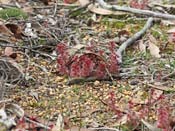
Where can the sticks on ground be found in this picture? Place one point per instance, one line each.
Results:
(136, 11)
(135, 37)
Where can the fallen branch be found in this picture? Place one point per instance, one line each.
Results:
(104, 128)
(32, 49)
(136, 11)
(92, 79)
(78, 8)
(135, 37)
(37, 123)
(10, 70)
(168, 75)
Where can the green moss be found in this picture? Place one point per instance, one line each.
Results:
(12, 12)
(112, 23)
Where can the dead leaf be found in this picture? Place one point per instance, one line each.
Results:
(153, 48)
(5, 1)
(84, 2)
(172, 30)
(123, 33)
(150, 126)
(171, 35)
(156, 94)
(76, 48)
(98, 10)
(28, 9)
(142, 46)
(138, 98)
(15, 29)
(6, 120)
(10, 53)
(59, 124)
(167, 23)
(5, 31)
(6, 34)
(122, 120)
(13, 70)
(16, 109)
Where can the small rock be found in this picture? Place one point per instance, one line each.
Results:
(134, 82)
(122, 39)
(96, 83)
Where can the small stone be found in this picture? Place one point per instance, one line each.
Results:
(122, 39)
(59, 79)
(24, 104)
(96, 83)
(134, 82)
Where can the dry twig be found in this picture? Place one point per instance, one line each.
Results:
(135, 37)
(136, 11)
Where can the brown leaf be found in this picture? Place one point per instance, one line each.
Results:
(15, 29)
(5, 1)
(156, 94)
(8, 51)
(5, 31)
(153, 48)
(142, 46)
(13, 70)
(76, 48)
(172, 30)
(167, 22)
(123, 33)
(6, 34)
(28, 9)
(84, 2)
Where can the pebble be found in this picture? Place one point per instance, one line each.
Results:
(96, 83)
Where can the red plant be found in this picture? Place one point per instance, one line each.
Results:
(112, 62)
(23, 125)
(62, 58)
(112, 104)
(100, 69)
(91, 64)
(82, 66)
(164, 116)
(163, 120)
(139, 4)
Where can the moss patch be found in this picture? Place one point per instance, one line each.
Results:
(12, 12)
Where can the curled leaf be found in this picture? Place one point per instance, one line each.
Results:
(153, 48)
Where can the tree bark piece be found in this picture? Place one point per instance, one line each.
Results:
(135, 37)
(136, 11)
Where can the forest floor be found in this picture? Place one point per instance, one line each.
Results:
(130, 102)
